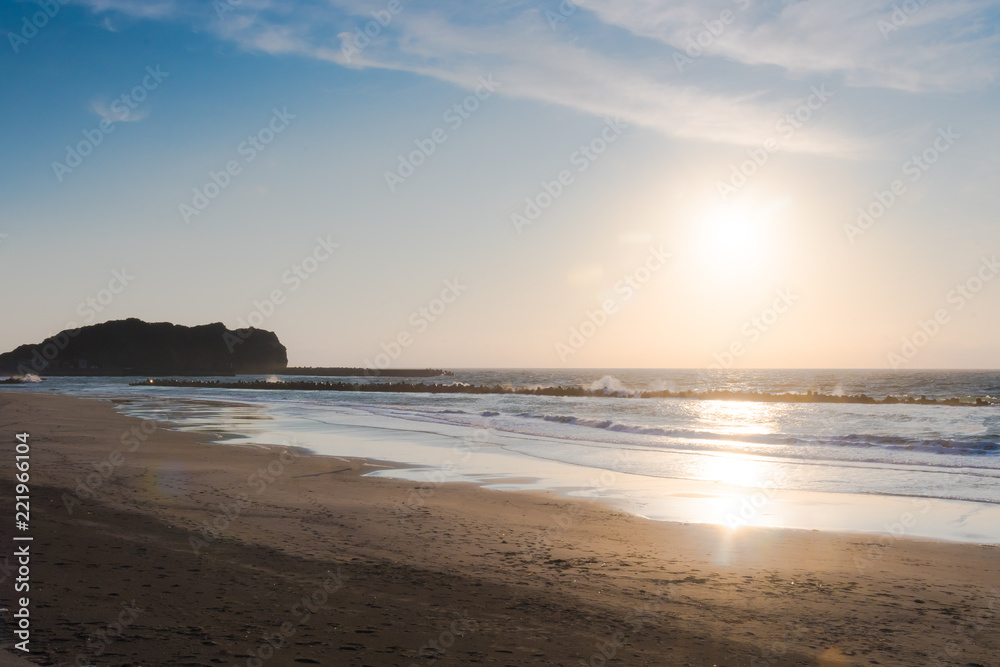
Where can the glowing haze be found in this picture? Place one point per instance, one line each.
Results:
(609, 183)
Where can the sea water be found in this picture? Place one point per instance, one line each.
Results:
(917, 470)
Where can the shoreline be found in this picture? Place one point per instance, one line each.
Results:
(900, 513)
(534, 574)
(417, 455)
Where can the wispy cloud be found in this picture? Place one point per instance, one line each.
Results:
(949, 46)
(116, 112)
(153, 9)
(531, 64)
(584, 66)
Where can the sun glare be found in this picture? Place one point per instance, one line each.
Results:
(735, 470)
(736, 239)
(732, 234)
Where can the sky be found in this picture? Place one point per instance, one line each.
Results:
(598, 184)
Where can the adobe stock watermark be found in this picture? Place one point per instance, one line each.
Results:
(461, 453)
(564, 10)
(896, 530)
(958, 297)
(248, 149)
(572, 513)
(634, 621)
(420, 320)
(92, 305)
(354, 42)
(786, 127)
(104, 637)
(223, 7)
(626, 289)
(900, 16)
(259, 481)
(915, 168)
(31, 25)
(455, 116)
(754, 328)
(581, 158)
(434, 649)
(44, 355)
(974, 625)
(90, 485)
(309, 604)
(121, 108)
(753, 505)
(713, 29)
(773, 653)
(295, 276)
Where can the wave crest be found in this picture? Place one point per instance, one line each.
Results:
(610, 386)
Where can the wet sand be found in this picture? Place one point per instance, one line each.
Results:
(178, 552)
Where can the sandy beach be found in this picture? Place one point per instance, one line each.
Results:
(152, 547)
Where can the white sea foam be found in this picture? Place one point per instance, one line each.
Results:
(610, 385)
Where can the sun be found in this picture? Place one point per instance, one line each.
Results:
(736, 239)
(731, 234)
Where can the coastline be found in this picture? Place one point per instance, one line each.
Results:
(500, 577)
(747, 490)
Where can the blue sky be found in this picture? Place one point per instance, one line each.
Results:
(743, 138)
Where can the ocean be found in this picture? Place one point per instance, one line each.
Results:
(915, 470)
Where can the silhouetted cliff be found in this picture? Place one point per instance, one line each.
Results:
(134, 347)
